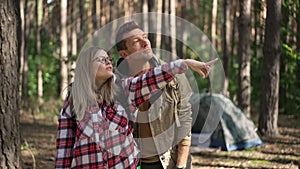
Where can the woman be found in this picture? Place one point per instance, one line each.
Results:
(94, 129)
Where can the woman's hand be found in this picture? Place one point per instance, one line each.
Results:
(200, 67)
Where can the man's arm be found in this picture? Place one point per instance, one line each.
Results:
(183, 153)
(185, 119)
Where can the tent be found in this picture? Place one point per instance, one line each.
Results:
(219, 123)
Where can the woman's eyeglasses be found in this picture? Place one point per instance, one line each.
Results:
(105, 60)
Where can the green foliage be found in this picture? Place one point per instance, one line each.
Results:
(288, 79)
(50, 67)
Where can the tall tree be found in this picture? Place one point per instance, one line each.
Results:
(226, 43)
(285, 37)
(234, 26)
(152, 25)
(38, 22)
(181, 12)
(214, 22)
(145, 16)
(173, 28)
(22, 46)
(24, 72)
(257, 7)
(10, 29)
(166, 40)
(244, 85)
(159, 26)
(298, 45)
(63, 48)
(271, 62)
(74, 32)
(89, 19)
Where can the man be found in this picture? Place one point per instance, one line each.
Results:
(164, 122)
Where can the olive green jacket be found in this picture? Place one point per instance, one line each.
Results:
(170, 118)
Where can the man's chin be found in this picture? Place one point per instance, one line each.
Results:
(148, 55)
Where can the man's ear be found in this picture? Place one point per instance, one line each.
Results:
(123, 53)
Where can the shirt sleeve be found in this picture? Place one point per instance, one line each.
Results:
(140, 87)
(184, 109)
(65, 138)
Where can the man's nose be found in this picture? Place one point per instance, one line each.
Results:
(144, 43)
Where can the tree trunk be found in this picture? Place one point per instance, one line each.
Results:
(270, 88)
(181, 10)
(38, 17)
(285, 36)
(10, 35)
(159, 27)
(74, 28)
(89, 19)
(22, 46)
(63, 49)
(166, 40)
(214, 22)
(145, 16)
(152, 25)
(27, 19)
(233, 32)
(126, 8)
(82, 16)
(244, 83)
(95, 11)
(257, 26)
(226, 43)
(298, 46)
(173, 28)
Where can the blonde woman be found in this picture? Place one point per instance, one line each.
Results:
(94, 129)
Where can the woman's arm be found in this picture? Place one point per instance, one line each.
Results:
(65, 138)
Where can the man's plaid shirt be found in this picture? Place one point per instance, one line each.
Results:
(103, 138)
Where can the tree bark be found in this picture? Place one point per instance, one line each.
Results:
(271, 63)
(285, 36)
(214, 22)
(152, 25)
(226, 44)
(38, 22)
(82, 16)
(166, 40)
(173, 28)
(181, 10)
(10, 35)
(233, 32)
(257, 26)
(298, 46)
(244, 81)
(22, 46)
(63, 49)
(27, 19)
(159, 27)
(74, 29)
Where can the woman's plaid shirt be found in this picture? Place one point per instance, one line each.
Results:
(103, 138)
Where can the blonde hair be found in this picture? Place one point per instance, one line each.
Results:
(83, 91)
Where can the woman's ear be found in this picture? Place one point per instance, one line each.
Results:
(123, 53)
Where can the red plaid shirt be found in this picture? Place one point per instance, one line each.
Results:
(103, 138)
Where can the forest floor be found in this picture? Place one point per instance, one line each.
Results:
(283, 151)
